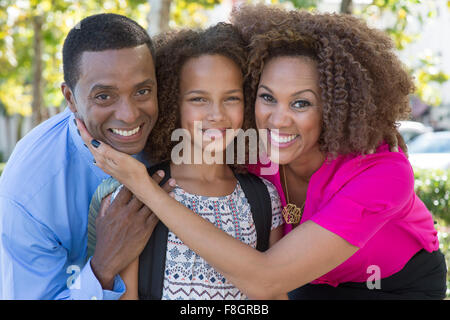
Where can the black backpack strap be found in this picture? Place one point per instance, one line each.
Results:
(259, 199)
(152, 260)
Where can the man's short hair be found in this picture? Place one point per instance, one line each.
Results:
(106, 31)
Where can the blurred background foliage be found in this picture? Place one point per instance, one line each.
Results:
(31, 36)
(424, 68)
(433, 188)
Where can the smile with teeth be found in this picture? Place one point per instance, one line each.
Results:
(126, 133)
(282, 138)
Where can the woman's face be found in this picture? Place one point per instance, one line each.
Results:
(288, 99)
(211, 95)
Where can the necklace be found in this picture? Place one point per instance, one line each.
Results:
(291, 213)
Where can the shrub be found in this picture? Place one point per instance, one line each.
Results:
(433, 188)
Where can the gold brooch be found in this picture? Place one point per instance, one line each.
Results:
(292, 214)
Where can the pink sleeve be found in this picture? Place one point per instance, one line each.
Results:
(368, 200)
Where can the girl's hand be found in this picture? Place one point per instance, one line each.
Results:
(121, 166)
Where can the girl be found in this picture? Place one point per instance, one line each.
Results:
(201, 85)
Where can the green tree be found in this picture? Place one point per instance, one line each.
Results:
(191, 13)
(423, 66)
(31, 39)
(166, 14)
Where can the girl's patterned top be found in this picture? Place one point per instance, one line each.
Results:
(189, 277)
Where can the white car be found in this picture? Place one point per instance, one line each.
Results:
(430, 150)
(411, 129)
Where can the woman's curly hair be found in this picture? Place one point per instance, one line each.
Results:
(364, 86)
(173, 50)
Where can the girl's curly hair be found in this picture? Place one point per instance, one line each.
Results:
(173, 50)
(364, 86)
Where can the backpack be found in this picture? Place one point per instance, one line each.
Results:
(152, 260)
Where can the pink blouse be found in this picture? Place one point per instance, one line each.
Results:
(370, 202)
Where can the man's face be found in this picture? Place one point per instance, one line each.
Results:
(116, 96)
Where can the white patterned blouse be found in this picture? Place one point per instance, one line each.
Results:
(189, 277)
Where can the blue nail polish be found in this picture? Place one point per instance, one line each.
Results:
(95, 143)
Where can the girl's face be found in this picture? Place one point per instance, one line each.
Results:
(211, 100)
(288, 99)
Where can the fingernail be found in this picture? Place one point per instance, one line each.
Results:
(95, 143)
(160, 173)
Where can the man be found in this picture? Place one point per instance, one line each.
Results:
(47, 185)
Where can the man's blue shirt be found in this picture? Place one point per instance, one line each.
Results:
(45, 192)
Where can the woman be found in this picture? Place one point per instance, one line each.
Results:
(328, 90)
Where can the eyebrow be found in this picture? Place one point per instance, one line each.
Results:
(204, 92)
(264, 87)
(145, 82)
(294, 94)
(100, 86)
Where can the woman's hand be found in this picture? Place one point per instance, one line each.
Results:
(121, 166)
